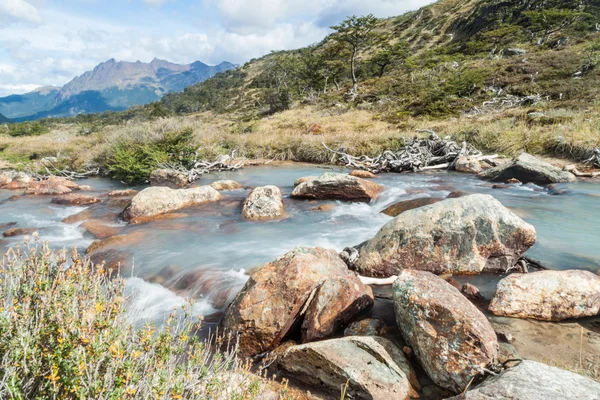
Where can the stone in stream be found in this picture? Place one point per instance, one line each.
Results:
(469, 165)
(303, 179)
(451, 338)
(48, 187)
(373, 367)
(466, 235)
(154, 201)
(528, 169)
(226, 185)
(5, 178)
(363, 174)
(333, 186)
(18, 232)
(123, 193)
(263, 203)
(310, 289)
(101, 229)
(75, 199)
(531, 380)
(168, 178)
(398, 208)
(548, 295)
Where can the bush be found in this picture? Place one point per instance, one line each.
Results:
(64, 334)
(132, 162)
(27, 129)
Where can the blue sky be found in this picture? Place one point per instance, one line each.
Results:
(49, 42)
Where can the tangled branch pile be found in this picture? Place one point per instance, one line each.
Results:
(595, 159)
(502, 101)
(416, 155)
(196, 168)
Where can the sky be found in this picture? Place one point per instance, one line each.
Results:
(49, 42)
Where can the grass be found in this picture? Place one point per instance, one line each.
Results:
(64, 335)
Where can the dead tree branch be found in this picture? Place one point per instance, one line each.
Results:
(197, 167)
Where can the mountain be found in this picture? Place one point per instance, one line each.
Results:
(22, 105)
(112, 85)
(3, 119)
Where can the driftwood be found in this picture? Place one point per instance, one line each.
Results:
(197, 167)
(416, 155)
(595, 159)
(52, 170)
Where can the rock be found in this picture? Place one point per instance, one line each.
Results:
(528, 169)
(123, 193)
(324, 207)
(168, 178)
(101, 229)
(511, 52)
(458, 193)
(310, 289)
(154, 201)
(373, 367)
(467, 235)
(5, 178)
(471, 291)
(263, 203)
(513, 181)
(332, 186)
(398, 208)
(85, 187)
(304, 179)
(48, 187)
(15, 185)
(363, 174)
(59, 180)
(548, 295)
(531, 380)
(18, 232)
(226, 185)
(365, 327)
(130, 239)
(501, 186)
(468, 164)
(451, 338)
(75, 199)
(22, 177)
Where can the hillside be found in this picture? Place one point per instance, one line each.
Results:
(110, 86)
(3, 119)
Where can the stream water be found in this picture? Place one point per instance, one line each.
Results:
(206, 252)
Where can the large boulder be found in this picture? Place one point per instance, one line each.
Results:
(168, 178)
(307, 288)
(548, 295)
(398, 208)
(372, 366)
(5, 178)
(466, 235)
(528, 169)
(75, 199)
(264, 202)
(469, 165)
(154, 201)
(451, 338)
(333, 186)
(531, 380)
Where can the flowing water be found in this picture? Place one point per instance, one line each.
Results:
(206, 252)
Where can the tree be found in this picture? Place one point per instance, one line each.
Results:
(390, 54)
(357, 33)
(332, 64)
(548, 22)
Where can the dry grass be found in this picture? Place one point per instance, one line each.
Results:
(297, 135)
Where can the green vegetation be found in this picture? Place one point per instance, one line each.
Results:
(27, 129)
(132, 160)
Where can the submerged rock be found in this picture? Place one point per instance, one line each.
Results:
(466, 235)
(311, 287)
(363, 174)
(398, 208)
(531, 380)
(263, 203)
(154, 201)
(528, 169)
(451, 338)
(168, 178)
(18, 232)
(333, 186)
(101, 229)
(123, 193)
(75, 199)
(548, 295)
(226, 185)
(373, 367)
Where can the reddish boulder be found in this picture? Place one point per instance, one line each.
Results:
(363, 174)
(123, 193)
(332, 186)
(75, 199)
(48, 187)
(18, 232)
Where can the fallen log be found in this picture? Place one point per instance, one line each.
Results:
(196, 168)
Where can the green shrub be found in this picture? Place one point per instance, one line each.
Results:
(132, 162)
(64, 335)
(27, 129)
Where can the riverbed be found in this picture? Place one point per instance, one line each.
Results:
(206, 252)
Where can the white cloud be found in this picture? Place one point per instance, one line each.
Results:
(18, 10)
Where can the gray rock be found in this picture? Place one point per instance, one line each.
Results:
(154, 201)
(263, 203)
(373, 367)
(511, 52)
(168, 178)
(528, 169)
(451, 338)
(466, 235)
(531, 380)
(333, 186)
(548, 295)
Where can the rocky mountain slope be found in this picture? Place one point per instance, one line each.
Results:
(112, 85)
(3, 118)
